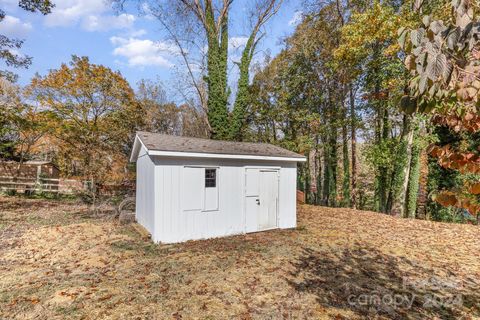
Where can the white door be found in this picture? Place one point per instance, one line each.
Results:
(267, 200)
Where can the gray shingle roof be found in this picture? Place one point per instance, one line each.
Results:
(163, 142)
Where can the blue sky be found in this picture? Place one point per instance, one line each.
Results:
(127, 41)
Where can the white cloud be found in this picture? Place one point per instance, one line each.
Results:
(138, 33)
(92, 15)
(70, 12)
(14, 27)
(237, 42)
(103, 23)
(144, 52)
(296, 19)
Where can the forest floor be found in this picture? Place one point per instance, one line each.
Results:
(57, 261)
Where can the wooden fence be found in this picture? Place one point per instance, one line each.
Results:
(59, 186)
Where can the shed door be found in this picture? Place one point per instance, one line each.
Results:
(261, 199)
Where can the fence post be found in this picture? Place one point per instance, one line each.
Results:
(38, 182)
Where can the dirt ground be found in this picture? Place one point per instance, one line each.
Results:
(57, 261)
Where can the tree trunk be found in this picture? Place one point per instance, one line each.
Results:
(318, 162)
(326, 173)
(382, 186)
(422, 198)
(217, 54)
(333, 169)
(346, 165)
(400, 195)
(413, 183)
(353, 194)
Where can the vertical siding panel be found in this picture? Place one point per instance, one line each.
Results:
(159, 200)
(166, 213)
(287, 201)
(175, 212)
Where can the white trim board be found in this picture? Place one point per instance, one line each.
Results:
(220, 156)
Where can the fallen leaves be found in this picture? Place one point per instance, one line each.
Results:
(306, 273)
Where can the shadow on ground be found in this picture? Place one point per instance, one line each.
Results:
(370, 283)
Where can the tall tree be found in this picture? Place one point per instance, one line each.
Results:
(188, 20)
(9, 46)
(353, 137)
(368, 48)
(264, 10)
(11, 110)
(92, 115)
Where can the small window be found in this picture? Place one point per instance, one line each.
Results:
(210, 178)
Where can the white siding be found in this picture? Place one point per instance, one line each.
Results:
(173, 193)
(145, 195)
(287, 211)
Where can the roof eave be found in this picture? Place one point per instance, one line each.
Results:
(222, 156)
(137, 144)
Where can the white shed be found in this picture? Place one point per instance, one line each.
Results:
(191, 188)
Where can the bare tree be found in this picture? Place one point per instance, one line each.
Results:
(200, 31)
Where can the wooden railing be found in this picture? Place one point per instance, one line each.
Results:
(61, 186)
(30, 184)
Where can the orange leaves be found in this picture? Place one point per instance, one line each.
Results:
(469, 122)
(451, 199)
(475, 188)
(446, 199)
(465, 162)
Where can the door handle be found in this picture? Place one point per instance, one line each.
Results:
(258, 201)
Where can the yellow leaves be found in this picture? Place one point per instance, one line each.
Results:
(91, 110)
(377, 24)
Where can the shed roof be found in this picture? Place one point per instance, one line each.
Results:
(168, 145)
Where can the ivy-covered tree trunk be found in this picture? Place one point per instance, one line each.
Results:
(400, 181)
(307, 183)
(413, 182)
(318, 161)
(241, 101)
(332, 173)
(217, 74)
(346, 165)
(383, 189)
(353, 147)
(326, 173)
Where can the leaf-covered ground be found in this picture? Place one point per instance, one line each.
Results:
(57, 261)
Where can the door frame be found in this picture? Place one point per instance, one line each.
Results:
(260, 169)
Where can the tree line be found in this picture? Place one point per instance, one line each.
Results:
(381, 97)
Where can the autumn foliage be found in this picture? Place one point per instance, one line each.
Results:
(443, 58)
